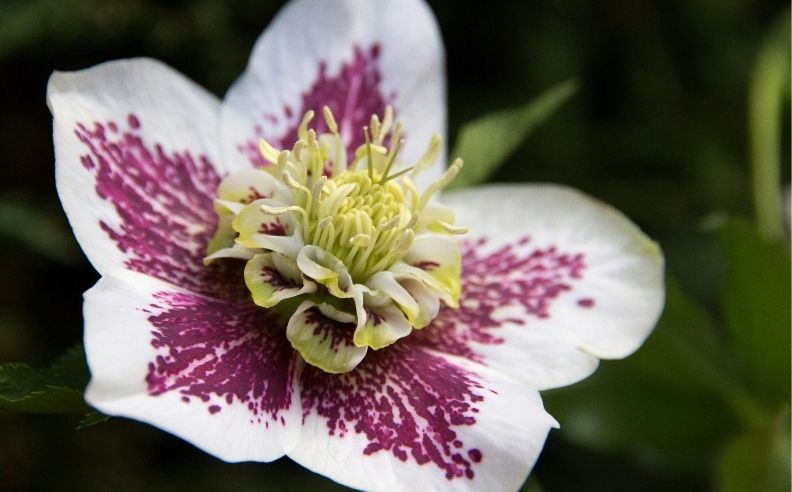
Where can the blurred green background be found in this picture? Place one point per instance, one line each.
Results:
(681, 121)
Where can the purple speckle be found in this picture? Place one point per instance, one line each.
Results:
(353, 94)
(475, 455)
(406, 401)
(164, 202)
(586, 302)
(531, 279)
(213, 409)
(210, 347)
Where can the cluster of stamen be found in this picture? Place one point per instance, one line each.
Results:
(334, 244)
(362, 213)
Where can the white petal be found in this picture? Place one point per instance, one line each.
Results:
(285, 77)
(215, 373)
(410, 419)
(137, 166)
(559, 281)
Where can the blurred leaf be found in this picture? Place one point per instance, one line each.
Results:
(93, 417)
(756, 304)
(487, 142)
(665, 403)
(37, 231)
(767, 101)
(758, 460)
(56, 389)
(532, 485)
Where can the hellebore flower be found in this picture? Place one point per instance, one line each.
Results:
(277, 280)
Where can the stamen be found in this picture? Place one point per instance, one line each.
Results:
(452, 229)
(339, 157)
(430, 156)
(396, 175)
(441, 183)
(268, 152)
(387, 121)
(267, 209)
(330, 120)
(302, 130)
(360, 240)
(317, 188)
(394, 152)
(389, 225)
(413, 221)
(370, 160)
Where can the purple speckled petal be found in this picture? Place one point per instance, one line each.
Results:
(552, 280)
(362, 56)
(217, 373)
(137, 170)
(408, 418)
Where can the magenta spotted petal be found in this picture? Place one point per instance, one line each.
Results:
(551, 280)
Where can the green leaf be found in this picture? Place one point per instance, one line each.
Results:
(665, 403)
(93, 417)
(56, 389)
(532, 485)
(768, 98)
(36, 231)
(756, 307)
(758, 459)
(487, 142)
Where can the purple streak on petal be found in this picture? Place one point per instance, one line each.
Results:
(163, 198)
(510, 276)
(404, 401)
(273, 278)
(339, 333)
(353, 94)
(220, 352)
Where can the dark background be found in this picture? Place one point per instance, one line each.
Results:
(658, 129)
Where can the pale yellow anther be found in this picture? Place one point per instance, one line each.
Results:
(387, 121)
(441, 183)
(283, 160)
(430, 156)
(369, 156)
(270, 210)
(389, 224)
(268, 152)
(330, 120)
(360, 240)
(316, 190)
(302, 130)
(413, 220)
(289, 180)
(375, 126)
(452, 229)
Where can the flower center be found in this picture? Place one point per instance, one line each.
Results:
(368, 229)
(351, 243)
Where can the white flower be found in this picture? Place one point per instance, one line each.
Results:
(186, 330)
